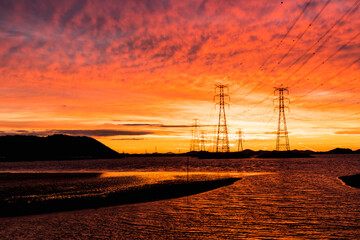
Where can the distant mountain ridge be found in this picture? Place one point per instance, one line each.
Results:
(54, 147)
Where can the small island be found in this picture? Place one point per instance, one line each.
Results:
(352, 181)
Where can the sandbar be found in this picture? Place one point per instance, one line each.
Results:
(38, 193)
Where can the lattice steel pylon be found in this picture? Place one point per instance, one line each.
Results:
(202, 141)
(240, 140)
(282, 139)
(222, 139)
(194, 145)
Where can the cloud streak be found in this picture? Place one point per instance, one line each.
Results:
(156, 125)
(355, 131)
(91, 133)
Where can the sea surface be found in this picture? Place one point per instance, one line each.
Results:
(275, 199)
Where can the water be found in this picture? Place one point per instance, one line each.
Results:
(276, 199)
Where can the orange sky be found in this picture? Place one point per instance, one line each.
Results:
(134, 74)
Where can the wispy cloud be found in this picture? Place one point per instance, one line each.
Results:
(127, 139)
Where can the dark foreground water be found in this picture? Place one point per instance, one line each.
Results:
(276, 199)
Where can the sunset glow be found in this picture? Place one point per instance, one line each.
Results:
(134, 74)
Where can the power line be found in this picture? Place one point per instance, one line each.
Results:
(277, 46)
(349, 12)
(347, 117)
(303, 33)
(344, 90)
(353, 9)
(256, 104)
(327, 59)
(339, 101)
(327, 80)
(299, 38)
(352, 80)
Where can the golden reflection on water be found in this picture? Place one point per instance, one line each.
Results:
(174, 174)
(153, 177)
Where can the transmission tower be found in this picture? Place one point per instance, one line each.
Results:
(194, 146)
(213, 139)
(202, 141)
(282, 139)
(222, 140)
(240, 140)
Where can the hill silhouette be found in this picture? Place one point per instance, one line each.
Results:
(341, 151)
(54, 147)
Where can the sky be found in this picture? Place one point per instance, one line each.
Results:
(135, 74)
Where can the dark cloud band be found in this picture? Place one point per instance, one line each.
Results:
(91, 133)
